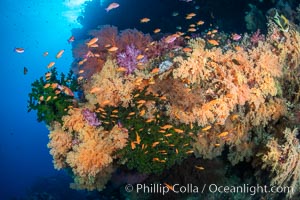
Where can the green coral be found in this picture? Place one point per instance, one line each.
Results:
(58, 103)
(172, 148)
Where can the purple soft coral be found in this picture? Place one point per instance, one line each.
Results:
(128, 59)
(90, 117)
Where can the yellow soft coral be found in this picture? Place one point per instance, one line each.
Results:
(109, 86)
(88, 150)
(284, 161)
(60, 143)
(231, 78)
(74, 121)
(90, 157)
(95, 150)
(97, 182)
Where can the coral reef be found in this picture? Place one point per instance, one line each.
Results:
(87, 149)
(149, 105)
(92, 59)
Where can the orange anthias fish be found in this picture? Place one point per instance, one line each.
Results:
(80, 78)
(47, 85)
(65, 90)
(133, 145)
(155, 144)
(122, 69)
(154, 71)
(48, 74)
(167, 126)
(59, 54)
(190, 16)
(112, 49)
(223, 134)
(199, 167)
(214, 31)
(54, 86)
(138, 138)
(192, 30)
(82, 61)
(188, 152)
(51, 64)
(200, 22)
(141, 101)
(140, 56)
(92, 41)
(206, 128)
(156, 30)
(48, 98)
(171, 38)
(169, 186)
(187, 50)
(213, 42)
(142, 113)
(145, 20)
(178, 130)
(112, 6)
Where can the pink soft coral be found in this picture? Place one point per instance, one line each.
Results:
(128, 59)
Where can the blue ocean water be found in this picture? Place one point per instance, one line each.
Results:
(37, 26)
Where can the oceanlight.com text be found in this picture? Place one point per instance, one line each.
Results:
(249, 189)
(210, 188)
